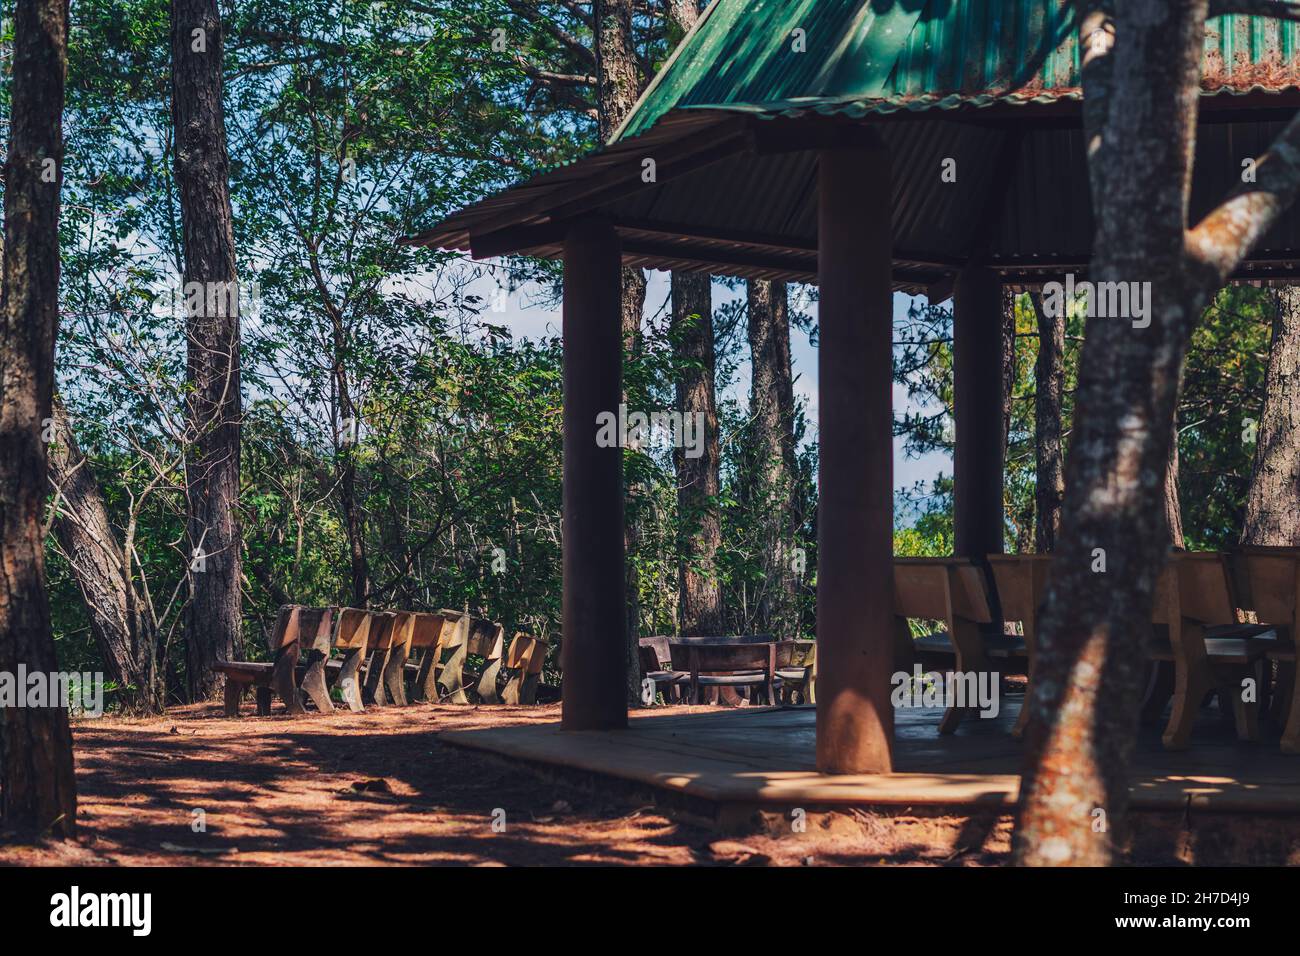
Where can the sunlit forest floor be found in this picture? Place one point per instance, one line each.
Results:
(194, 788)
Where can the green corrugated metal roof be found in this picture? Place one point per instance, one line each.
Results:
(883, 55)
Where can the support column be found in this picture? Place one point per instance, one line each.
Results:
(977, 408)
(855, 515)
(594, 650)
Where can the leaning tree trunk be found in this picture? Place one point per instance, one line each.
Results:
(1140, 115)
(772, 485)
(699, 521)
(119, 621)
(1173, 509)
(1273, 499)
(1141, 80)
(618, 84)
(213, 618)
(1049, 460)
(37, 788)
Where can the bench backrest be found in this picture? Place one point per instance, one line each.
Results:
(723, 658)
(796, 653)
(1194, 585)
(527, 653)
(353, 628)
(1021, 582)
(656, 648)
(428, 629)
(937, 588)
(1266, 580)
(309, 627)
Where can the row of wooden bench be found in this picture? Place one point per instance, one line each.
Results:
(386, 643)
(1201, 600)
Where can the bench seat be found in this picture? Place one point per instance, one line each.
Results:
(995, 645)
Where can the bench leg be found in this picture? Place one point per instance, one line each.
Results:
(349, 683)
(313, 682)
(395, 676)
(968, 645)
(1245, 714)
(234, 694)
(374, 690)
(453, 676)
(426, 685)
(282, 679)
(263, 695)
(1283, 691)
(1191, 683)
(487, 685)
(1160, 687)
(1291, 730)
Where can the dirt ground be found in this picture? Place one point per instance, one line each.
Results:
(194, 788)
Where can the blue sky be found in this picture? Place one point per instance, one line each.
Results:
(525, 317)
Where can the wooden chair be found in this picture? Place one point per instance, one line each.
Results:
(1210, 651)
(951, 590)
(1267, 581)
(429, 633)
(1021, 582)
(740, 662)
(657, 666)
(525, 658)
(796, 669)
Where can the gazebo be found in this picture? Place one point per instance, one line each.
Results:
(868, 146)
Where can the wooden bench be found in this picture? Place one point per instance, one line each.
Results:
(1267, 581)
(1021, 583)
(525, 658)
(297, 630)
(352, 639)
(726, 662)
(1197, 630)
(951, 590)
(796, 670)
(657, 666)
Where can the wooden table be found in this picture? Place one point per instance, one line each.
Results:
(727, 663)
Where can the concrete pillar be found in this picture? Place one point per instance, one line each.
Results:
(594, 650)
(855, 658)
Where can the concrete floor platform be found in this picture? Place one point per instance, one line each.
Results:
(764, 758)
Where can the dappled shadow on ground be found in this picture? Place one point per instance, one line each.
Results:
(195, 788)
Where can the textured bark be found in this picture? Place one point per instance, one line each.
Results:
(1173, 509)
(37, 789)
(618, 84)
(700, 594)
(1049, 456)
(1008, 363)
(119, 619)
(213, 618)
(771, 486)
(700, 524)
(1273, 499)
(1139, 114)
(618, 78)
(346, 459)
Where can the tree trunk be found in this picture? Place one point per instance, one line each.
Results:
(1139, 111)
(119, 620)
(700, 524)
(1049, 456)
(772, 491)
(1273, 499)
(1173, 510)
(37, 787)
(618, 84)
(346, 440)
(213, 619)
